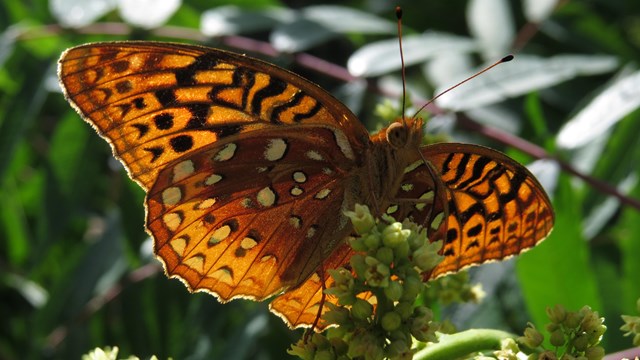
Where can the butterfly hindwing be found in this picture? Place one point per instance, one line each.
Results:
(496, 207)
(251, 217)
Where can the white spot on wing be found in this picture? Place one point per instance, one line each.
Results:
(322, 194)
(296, 191)
(299, 177)
(275, 149)
(223, 275)
(196, 263)
(179, 245)
(182, 170)
(266, 197)
(171, 196)
(343, 144)
(311, 231)
(205, 204)
(212, 179)
(248, 243)
(172, 220)
(226, 153)
(220, 234)
(314, 155)
(295, 222)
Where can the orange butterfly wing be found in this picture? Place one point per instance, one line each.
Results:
(155, 102)
(491, 208)
(246, 165)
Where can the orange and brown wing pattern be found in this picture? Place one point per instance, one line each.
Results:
(251, 217)
(155, 102)
(299, 307)
(496, 207)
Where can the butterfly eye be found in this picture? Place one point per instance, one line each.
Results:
(397, 135)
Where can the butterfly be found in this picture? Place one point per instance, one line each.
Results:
(248, 169)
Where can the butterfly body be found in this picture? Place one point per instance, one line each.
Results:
(248, 170)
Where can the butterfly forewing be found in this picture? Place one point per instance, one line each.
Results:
(155, 102)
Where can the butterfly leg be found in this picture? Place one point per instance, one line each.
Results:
(311, 330)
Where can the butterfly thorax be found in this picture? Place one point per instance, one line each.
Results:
(393, 149)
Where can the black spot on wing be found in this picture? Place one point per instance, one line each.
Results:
(181, 143)
(155, 152)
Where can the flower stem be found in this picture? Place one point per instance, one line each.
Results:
(463, 343)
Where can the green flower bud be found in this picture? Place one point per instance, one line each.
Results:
(417, 239)
(593, 326)
(342, 277)
(393, 291)
(365, 345)
(557, 338)
(302, 350)
(361, 309)
(338, 316)
(324, 355)
(397, 349)
(358, 265)
(391, 321)
(320, 341)
(372, 241)
(551, 327)
(361, 219)
(573, 319)
(426, 257)
(385, 255)
(510, 345)
(532, 338)
(411, 288)
(557, 314)
(594, 353)
(400, 334)
(358, 243)
(377, 273)
(580, 342)
(401, 251)
(420, 326)
(394, 235)
(404, 309)
(547, 355)
(340, 347)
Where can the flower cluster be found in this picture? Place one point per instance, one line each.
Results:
(574, 334)
(632, 326)
(454, 288)
(109, 353)
(376, 315)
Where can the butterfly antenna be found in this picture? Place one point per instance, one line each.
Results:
(404, 76)
(503, 60)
